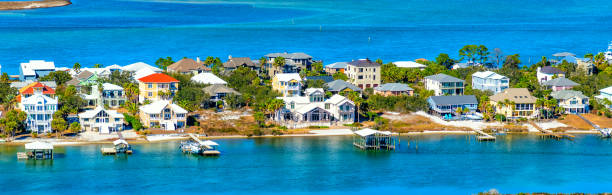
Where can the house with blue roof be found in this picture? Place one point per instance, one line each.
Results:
(447, 106)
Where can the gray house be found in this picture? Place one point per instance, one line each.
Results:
(443, 84)
(338, 86)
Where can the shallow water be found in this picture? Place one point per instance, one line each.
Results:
(124, 32)
(329, 165)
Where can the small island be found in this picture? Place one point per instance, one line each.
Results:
(19, 5)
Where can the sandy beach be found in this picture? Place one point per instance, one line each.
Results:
(19, 5)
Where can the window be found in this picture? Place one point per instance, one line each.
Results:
(360, 69)
(373, 69)
(292, 105)
(360, 77)
(150, 85)
(150, 94)
(327, 106)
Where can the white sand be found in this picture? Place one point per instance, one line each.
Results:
(332, 132)
(469, 124)
(154, 138)
(551, 125)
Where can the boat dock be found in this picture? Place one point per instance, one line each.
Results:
(197, 146)
(370, 139)
(550, 134)
(604, 132)
(482, 136)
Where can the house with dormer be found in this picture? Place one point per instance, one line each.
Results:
(313, 109)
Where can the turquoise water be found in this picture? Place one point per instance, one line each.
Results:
(123, 32)
(327, 165)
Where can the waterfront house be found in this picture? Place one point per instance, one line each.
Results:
(447, 106)
(314, 110)
(34, 69)
(208, 78)
(443, 84)
(547, 73)
(572, 101)
(514, 103)
(335, 67)
(101, 120)
(363, 73)
(583, 65)
(409, 64)
(163, 114)
(289, 84)
(559, 84)
(151, 86)
(110, 95)
(294, 62)
(491, 81)
(393, 89)
(22, 84)
(30, 89)
(218, 92)
(341, 87)
(188, 66)
(605, 95)
(39, 109)
(235, 62)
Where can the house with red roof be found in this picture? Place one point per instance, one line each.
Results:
(158, 86)
(28, 90)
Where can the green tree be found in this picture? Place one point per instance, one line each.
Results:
(60, 77)
(259, 118)
(163, 63)
(444, 60)
(13, 122)
(97, 65)
(469, 52)
(76, 67)
(74, 127)
(279, 62)
(58, 124)
(340, 76)
(483, 54)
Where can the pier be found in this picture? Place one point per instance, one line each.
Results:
(37, 151)
(544, 133)
(370, 139)
(482, 136)
(604, 132)
(120, 146)
(197, 146)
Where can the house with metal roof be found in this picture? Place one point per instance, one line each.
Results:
(341, 86)
(447, 106)
(514, 103)
(101, 120)
(491, 81)
(294, 62)
(572, 101)
(559, 84)
(110, 95)
(140, 66)
(150, 86)
(39, 109)
(363, 73)
(547, 73)
(188, 66)
(335, 67)
(324, 79)
(34, 69)
(409, 64)
(163, 114)
(605, 95)
(208, 79)
(313, 109)
(289, 84)
(393, 89)
(443, 84)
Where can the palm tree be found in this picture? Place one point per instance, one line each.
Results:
(77, 68)
(589, 55)
(459, 111)
(539, 103)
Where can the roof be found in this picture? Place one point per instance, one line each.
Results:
(364, 63)
(454, 100)
(288, 77)
(393, 87)
(84, 75)
(143, 73)
(158, 78)
(234, 62)
(607, 90)
(325, 79)
(22, 84)
(313, 90)
(563, 54)
(338, 99)
(208, 78)
(567, 94)
(367, 132)
(109, 86)
(408, 64)
(517, 95)
(215, 89)
(139, 66)
(308, 108)
(337, 65)
(573, 59)
(34, 99)
(94, 112)
(561, 81)
(157, 106)
(74, 81)
(295, 99)
(187, 65)
(339, 85)
(489, 74)
(120, 141)
(443, 78)
(210, 143)
(298, 55)
(114, 67)
(37, 145)
(551, 70)
(28, 68)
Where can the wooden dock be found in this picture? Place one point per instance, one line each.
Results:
(550, 134)
(482, 136)
(208, 149)
(108, 151)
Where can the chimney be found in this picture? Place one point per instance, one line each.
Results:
(198, 59)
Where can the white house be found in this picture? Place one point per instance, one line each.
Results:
(605, 94)
(443, 84)
(101, 120)
(572, 101)
(34, 69)
(139, 66)
(111, 95)
(547, 73)
(314, 109)
(208, 78)
(491, 81)
(163, 114)
(40, 109)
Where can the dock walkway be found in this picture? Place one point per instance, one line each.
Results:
(482, 136)
(551, 134)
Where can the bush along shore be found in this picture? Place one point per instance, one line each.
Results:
(19, 5)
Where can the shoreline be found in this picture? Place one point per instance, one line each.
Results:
(23, 5)
(176, 138)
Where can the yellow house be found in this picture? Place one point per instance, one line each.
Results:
(289, 84)
(150, 86)
(514, 103)
(163, 114)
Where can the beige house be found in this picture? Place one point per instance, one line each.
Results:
(163, 114)
(514, 103)
(188, 66)
(363, 73)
